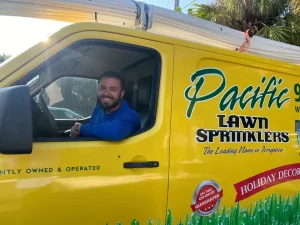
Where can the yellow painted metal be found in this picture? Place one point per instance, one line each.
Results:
(95, 196)
(113, 194)
(190, 166)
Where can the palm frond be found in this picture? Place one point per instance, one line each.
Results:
(207, 12)
(277, 20)
(276, 33)
(295, 6)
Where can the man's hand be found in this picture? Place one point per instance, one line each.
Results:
(75, 131)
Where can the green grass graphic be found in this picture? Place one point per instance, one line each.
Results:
(274, 210)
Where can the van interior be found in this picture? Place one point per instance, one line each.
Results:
(76, 70)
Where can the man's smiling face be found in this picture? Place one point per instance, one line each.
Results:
(110, 93)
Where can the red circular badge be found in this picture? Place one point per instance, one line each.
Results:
(207, 198)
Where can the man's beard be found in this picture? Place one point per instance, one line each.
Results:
(107, 107)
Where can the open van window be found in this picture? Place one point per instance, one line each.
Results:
(68, 91)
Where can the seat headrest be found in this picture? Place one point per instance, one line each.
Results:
(144, 92)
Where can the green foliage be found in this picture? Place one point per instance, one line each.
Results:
(276, 33)
(209, 12)
(3, 57)
(277, 20)
(178, 9)
(295, 6)
(274, 210)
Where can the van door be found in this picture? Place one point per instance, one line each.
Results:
(234, 152)
(88, 181)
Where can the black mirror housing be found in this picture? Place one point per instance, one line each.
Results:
(15, 120)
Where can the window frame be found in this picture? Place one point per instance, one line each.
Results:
(156, 82)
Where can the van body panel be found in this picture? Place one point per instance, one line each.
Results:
(85, 181)
(245, 171)
(225, 138)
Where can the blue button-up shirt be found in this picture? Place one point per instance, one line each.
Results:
(114, 126)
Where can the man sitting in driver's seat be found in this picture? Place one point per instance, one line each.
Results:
(113, 119)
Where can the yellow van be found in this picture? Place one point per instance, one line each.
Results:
(218, 144)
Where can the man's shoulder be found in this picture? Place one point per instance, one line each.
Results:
(129, 114)
(97, 110)
(127, 109)
(125, 106)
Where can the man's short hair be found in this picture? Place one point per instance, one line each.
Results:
(111, 74)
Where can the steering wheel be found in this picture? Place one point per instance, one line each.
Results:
(51, 127)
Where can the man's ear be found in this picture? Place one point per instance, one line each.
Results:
(122, 93)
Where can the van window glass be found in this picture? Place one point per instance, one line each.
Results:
(69, 85)
(71, 97)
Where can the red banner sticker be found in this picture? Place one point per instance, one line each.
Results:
(262, 181)
(207, 198)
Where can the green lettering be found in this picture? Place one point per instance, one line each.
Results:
(255, 98)
(232, 93)
(274, 98)
(201, 74)
(280, 103)
(231, 97)
(266, 92)
(235, 98)
(243, 95)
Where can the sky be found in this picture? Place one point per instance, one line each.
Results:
(18, 33)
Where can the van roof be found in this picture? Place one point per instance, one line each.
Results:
(18, 61)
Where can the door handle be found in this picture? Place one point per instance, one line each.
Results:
(149, 164)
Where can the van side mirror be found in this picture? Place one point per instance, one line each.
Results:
(15, 120)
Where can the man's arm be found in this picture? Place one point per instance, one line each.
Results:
(112, 131)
